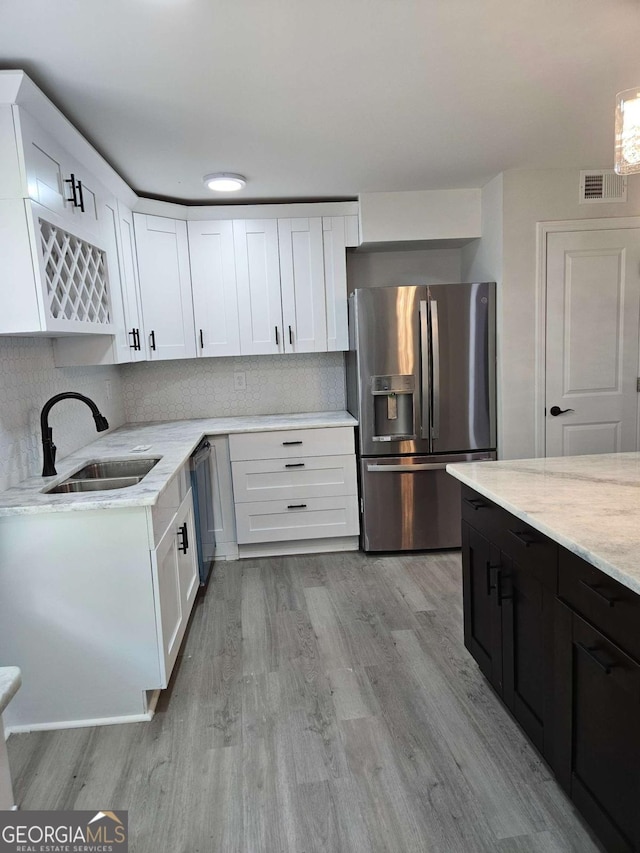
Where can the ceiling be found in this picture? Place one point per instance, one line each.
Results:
(315, 99)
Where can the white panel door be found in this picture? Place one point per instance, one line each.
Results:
(593, 299)
(187, 559)
(335, 276)
(304, 312)
(131, 285)
(167, 591)
(47, 168)
(258, 272)
(213, 278)
(165, 286)
(124, 340)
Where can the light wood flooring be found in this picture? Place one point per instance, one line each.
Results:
(321, 703)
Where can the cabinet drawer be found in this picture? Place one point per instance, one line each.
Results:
(285, 444)
(481, 513)
(611, 607)
(303, 518)
(282, 479)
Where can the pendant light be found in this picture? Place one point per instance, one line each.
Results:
(628, 132)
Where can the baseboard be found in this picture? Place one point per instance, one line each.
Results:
(79, 724)
(302, 546)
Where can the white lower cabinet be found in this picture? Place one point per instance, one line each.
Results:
(96, 622)
(295, 491)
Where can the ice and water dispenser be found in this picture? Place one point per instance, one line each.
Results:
(393, 407)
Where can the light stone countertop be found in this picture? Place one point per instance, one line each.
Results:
(173, 441)
(10, 681)
(588, 504)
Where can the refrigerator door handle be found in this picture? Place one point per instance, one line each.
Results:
(435, 360)
(425, 370)
(409, 469)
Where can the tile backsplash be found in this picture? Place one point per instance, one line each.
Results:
(28, 378)
(200, 388)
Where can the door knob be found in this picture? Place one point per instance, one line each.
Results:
(556, 410)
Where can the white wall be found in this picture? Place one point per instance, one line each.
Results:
(528, 197)
(28, 378)
(199, 388)
(382, 268)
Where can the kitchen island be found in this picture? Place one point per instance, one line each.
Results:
(551, 583)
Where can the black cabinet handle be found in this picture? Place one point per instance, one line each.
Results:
(476, 503)
(183, 545)
(277, 339)
(294, 465)
(589, 650)
(201, 340)
(297, 506)
(134, 345)
(290, 336)
(81, 197)
(554, 411)
(137, 335)
(74, 197)
(152, 340)
(491, 568)
(290, 443)
(608, 600)
(499, 593)
(524, 537)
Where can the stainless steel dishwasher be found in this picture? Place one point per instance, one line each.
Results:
(202, 491)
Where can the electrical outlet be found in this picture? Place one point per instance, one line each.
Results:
(240, 381)
(107, 388)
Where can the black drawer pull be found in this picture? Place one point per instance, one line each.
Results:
(589, 650)
(290, 443)
(183, 546)
(601, 595)
(491, 568)
(524, 537)
(294, 465)
(297, 506)
(152, 339)
(476, 503)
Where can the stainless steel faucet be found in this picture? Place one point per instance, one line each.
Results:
(48, 447)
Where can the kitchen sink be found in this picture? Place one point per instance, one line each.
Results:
(115, 468)
(101, 476)
(94, 485)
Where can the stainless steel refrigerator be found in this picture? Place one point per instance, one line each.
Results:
(421, 382)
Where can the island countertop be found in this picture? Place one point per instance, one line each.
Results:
(588, 504)
(170, 441)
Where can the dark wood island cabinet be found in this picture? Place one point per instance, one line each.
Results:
(559, 641)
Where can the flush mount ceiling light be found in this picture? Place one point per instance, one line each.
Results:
(224, 182)
(628, 132)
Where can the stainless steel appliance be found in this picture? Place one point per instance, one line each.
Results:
(421, 382)
(202, 494)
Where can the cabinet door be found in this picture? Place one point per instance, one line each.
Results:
(167, 590)
(258, 271)
(175, 567)
(304, 312)
(165, 286)
(46, 166)
(124, 339)
(598, 688)
(130, 283)
(527, 638)
(482, 615)
(187, 557)
(215, 298)
(334, 232)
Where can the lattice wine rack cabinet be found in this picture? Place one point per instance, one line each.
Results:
(75, 277)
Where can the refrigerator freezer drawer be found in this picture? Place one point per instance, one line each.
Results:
(300, 518)
(411, 503)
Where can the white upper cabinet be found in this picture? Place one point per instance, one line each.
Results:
(130, 289)
(258, 280)
(213, 279)
(304, 312)
(165, 287)
(338, 233)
